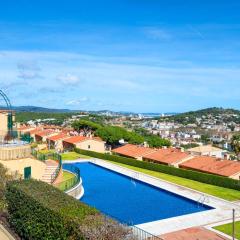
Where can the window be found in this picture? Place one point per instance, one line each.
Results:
(89, 146)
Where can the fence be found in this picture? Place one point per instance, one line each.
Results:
(140, 234)
(136, 232)
(71, 182)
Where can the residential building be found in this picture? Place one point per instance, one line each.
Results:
(207, 150)
(133, 151)
(212, 165)
(42, 136)
(56, 141)
(6, 120)
(85, 143)
(168, 156)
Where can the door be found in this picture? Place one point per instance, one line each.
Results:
(27, 172)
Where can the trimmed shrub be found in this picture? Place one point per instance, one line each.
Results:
(39, 211)
(189, 174)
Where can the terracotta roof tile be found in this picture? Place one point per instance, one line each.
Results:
(44, 133)
(77, 139)
(134, 151)
(36, 130)
(212, 165)
(167, 156)
(60, 136)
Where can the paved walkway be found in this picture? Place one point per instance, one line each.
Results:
(4, 234)
(197, 233)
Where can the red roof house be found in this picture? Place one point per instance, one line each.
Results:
(133, 151)
(168, 156)
(213, 165)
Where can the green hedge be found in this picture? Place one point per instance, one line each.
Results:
(193, 175)
(39, 211)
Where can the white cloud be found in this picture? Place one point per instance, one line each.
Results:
(28, 70)
(133, 83)
(76, 102)
(68, 79)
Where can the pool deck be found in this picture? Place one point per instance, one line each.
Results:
(4, 234)
(222, 209)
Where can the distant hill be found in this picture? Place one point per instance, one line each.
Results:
(36, 109)
(39, 109)
(190, 117)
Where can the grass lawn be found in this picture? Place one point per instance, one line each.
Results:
(73, 156)
(227, 229)
(46, 151)
(66, 181)
(224, 193)
(67, 175)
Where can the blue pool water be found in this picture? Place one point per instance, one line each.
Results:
(129, 200)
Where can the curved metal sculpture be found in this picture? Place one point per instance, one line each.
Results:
(6, 99)
(9, 108)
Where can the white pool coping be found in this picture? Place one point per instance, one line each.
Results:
(222, 209)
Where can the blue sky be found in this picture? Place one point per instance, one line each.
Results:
(132, 55)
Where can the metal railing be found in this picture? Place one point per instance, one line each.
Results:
(136, 232)
(71, 182)
(56, 172)
(140, 234)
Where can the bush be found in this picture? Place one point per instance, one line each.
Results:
(39, 211)
(193, 175)
(4, 178)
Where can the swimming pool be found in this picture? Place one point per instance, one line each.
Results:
(129, 200)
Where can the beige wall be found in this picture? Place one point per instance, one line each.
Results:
(59, 144)
(217, 154)
(92, 145)
(3, 122)
(38, 167)
(236, 176)
(11, 153)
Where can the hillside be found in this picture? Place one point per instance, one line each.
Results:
(226, 115)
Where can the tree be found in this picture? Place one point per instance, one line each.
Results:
(189, 145)
(86, 126)
(153, 140)
(235, 143)
(112, 135)
(205, 138)
(142, 131)
(156, 141)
